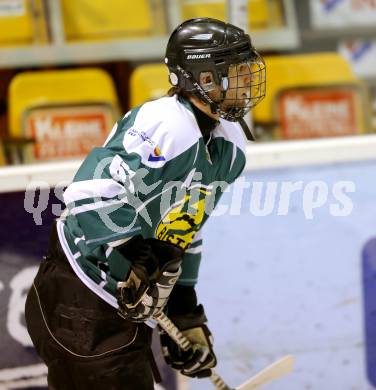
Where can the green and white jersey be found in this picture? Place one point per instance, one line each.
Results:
(154, 176)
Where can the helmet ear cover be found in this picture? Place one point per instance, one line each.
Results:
(174, 79)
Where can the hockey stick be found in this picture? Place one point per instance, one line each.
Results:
(268, 374)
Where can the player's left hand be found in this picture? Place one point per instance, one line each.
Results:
(198, 361)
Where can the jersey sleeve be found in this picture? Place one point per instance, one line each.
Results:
(191, 262)
(99, 197)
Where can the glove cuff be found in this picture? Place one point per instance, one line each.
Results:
(190, 320)
(183, 299)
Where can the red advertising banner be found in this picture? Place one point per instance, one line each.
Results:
(317, 113)
(67, 132)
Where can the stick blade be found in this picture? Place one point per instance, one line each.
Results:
(274, 371)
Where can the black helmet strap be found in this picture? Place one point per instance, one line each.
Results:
(247, 131)
(213, 105)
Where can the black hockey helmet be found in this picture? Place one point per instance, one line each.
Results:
(202, 45)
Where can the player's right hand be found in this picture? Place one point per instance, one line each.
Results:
(133, 290)
(155, 268)
(200, 359)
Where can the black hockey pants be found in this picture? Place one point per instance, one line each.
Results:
(84, 342)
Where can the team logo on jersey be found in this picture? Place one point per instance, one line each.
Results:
(183, 219)
(156, 155)
(133, 132)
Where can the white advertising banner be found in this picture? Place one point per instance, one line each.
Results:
(342, 13)
(12, 8)
(362, 56)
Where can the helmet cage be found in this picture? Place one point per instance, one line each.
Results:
(244, 90)
(185, 73)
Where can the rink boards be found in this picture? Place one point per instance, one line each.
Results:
(271, 284)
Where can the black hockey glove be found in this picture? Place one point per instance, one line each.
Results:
(155, 268)
(198, 361)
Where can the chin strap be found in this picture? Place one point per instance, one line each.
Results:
(246, 129)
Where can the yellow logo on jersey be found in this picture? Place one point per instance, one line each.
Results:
(182, 221)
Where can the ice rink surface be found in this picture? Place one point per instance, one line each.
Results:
(279, 284)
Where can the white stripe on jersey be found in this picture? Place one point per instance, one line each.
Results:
(86, 189)
(197, 149)
(108, 251)
(194, 251)
(112, 133)
(78, 239)
(113, 244)
(96, 205)
(233, 156)
(114, 235)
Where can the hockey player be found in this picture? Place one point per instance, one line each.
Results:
(129, 243)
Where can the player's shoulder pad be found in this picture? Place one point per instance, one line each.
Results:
(231, 132)
(162, 130)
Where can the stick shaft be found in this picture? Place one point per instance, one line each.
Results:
(269, 374)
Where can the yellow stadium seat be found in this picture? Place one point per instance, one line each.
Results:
(16, 26)
(100, 19)
(307, 75)
(148, 82)
(258, 16)
(303, 70)
(22, 23)
(67, 112)
(258, 13)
